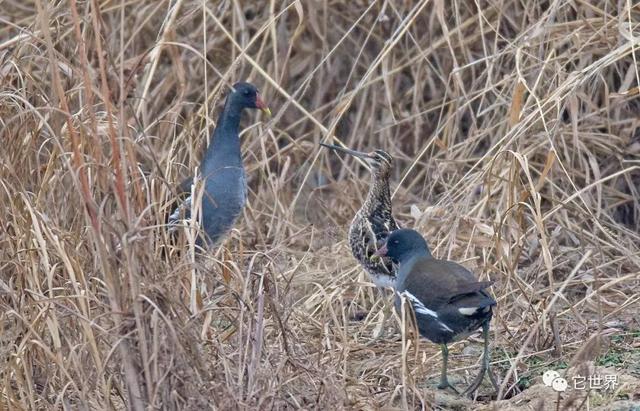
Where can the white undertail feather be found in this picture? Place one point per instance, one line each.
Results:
(467, 310)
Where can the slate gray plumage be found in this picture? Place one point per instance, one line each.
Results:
(222, 170)
(448, 301)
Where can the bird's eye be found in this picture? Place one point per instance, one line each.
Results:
(395, 241)
(247, 92)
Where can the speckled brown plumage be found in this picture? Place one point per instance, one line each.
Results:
(373, 223)
(374, 220)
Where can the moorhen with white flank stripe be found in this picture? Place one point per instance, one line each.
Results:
(373, 222)
(448, 301)
(221, 169)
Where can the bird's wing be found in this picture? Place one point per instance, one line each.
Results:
(470, 288)
(381, 226)
(440, 282)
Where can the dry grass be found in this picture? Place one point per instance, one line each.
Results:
(515, 125)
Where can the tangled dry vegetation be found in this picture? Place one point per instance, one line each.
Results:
(515, 129)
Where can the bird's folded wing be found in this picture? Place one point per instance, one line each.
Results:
(464, 289)
(467, 288)
(440, 282)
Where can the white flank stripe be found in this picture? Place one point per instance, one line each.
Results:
(418, 306)
(444, 326)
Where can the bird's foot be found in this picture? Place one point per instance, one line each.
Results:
(473, 387)
(444, 384)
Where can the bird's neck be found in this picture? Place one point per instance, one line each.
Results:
(410, 258)
(229, 120)
(379, 194)
(225, 137)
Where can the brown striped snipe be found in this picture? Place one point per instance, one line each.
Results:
(373, 222)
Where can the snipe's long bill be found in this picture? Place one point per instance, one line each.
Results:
(345, 150)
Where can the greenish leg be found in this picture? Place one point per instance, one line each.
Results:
(485, 367)
(444, 381)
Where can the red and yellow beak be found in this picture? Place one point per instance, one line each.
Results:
(260, 104)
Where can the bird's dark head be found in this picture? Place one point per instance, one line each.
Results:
(379, 160)
(246, 95)
(403, 244)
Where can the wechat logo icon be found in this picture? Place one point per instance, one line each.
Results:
(552, 378)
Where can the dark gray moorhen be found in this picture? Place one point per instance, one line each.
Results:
(373, 222)
(448, 301)
(221, 169)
